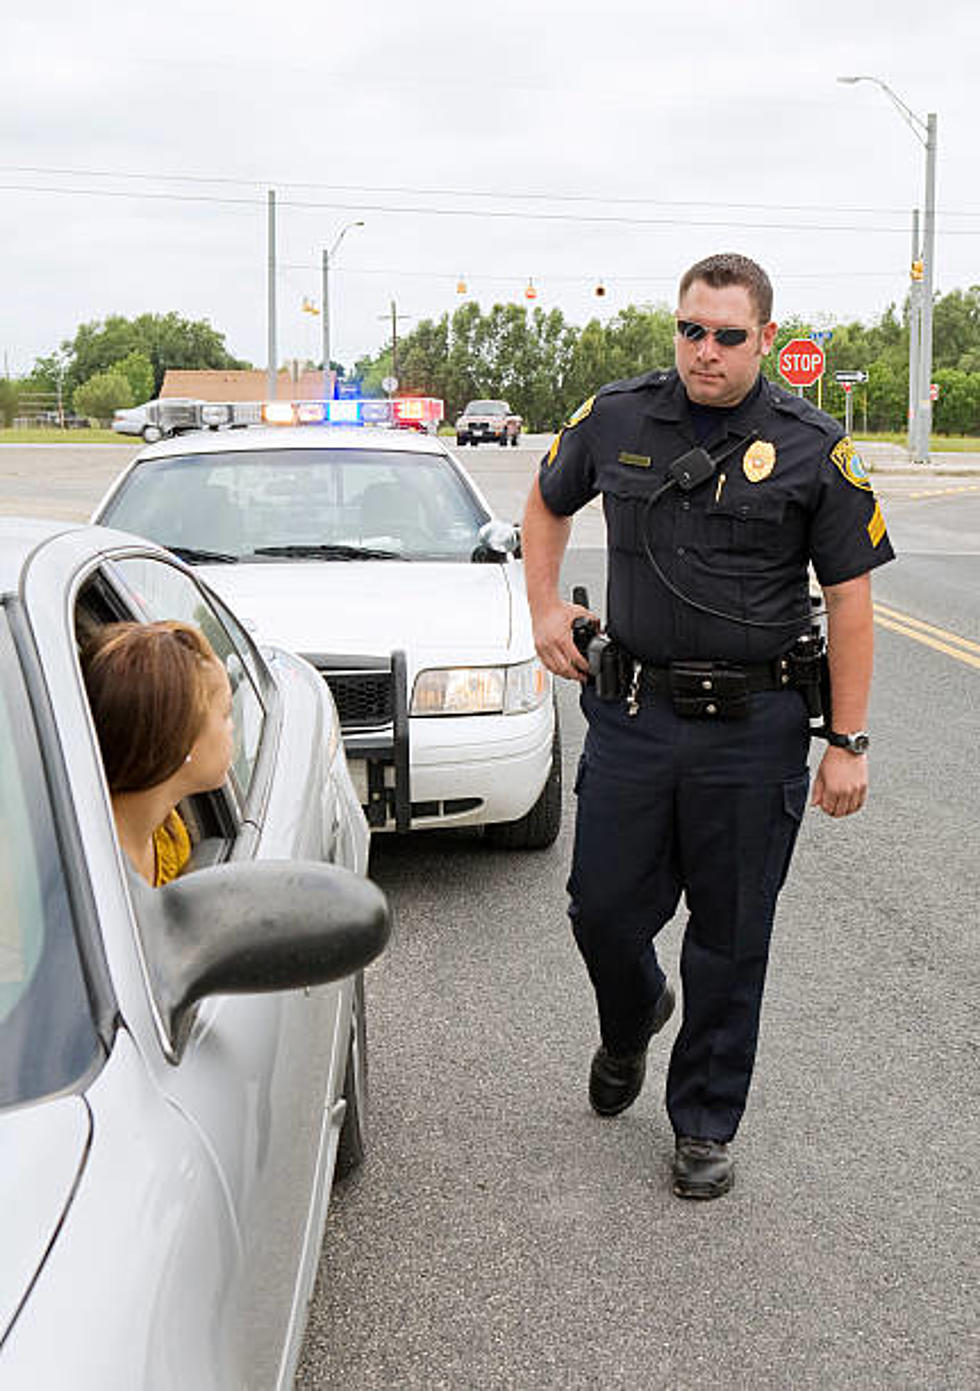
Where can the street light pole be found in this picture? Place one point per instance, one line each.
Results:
(915, 329)
(924, 413)
(271, 366)
(923, 268)
(327, 383)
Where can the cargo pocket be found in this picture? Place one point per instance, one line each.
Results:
(794, 805)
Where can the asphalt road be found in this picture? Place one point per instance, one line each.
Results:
(501, 1235)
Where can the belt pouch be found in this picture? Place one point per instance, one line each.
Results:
(708, 691)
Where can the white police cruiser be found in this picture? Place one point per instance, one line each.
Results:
(373, 554)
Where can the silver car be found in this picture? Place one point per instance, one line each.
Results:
(180, 1068)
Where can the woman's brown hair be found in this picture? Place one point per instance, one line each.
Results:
(148, 687)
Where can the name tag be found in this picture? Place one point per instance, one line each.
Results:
(636, 460)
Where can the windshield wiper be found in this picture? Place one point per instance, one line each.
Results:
(194, 556)
(329, 552)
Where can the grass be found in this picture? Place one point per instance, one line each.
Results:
(55, 436)
(940, 444)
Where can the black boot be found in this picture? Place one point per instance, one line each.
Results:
(616, 1081)
(702, 1168)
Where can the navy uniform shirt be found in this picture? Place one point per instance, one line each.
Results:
(739, 543)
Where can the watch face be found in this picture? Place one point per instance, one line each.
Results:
(859, 743)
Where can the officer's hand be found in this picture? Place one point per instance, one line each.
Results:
(841, 785)
(553, 639)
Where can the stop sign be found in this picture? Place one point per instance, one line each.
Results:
(801, 362)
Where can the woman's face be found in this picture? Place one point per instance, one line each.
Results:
(211, 752)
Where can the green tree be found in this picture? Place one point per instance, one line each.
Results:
(103, 394)
(166, 340)
(138, 371)
(44, 378)
(957, 411)
(956, 328)
(9, 400)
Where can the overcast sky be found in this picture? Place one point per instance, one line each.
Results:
(549, 140)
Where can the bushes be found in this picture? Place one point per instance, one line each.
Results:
(102, 395)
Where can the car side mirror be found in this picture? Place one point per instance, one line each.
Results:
(243, 929)
(496, 540)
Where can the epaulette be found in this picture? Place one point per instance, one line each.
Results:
(658, 377)
(803, 409)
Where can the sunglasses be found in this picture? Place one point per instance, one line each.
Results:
(724, 337)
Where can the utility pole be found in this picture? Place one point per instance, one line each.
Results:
(270, 370)
(915, 329)
(924, 413)
(920, 371)
(327, 379)
(394, 316)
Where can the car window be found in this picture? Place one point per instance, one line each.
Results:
(162, 591)
(243, 504)
(48, 1038)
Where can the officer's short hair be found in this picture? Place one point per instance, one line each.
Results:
(729, 268)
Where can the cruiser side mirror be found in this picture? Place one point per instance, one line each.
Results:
(496, 540)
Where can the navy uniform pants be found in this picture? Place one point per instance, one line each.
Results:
(711, 809)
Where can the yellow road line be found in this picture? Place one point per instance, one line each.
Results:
(918, 631)
(924, 627)
(939, 492)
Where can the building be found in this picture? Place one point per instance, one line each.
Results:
(250, 385)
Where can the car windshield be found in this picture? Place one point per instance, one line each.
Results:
(487, 408)
(302, 504)
(47, 1034)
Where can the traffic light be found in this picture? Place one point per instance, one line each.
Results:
(917, 271)
(530, 292)
(600, 290)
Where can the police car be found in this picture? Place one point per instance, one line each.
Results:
(372, 553)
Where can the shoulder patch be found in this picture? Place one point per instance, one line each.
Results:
(577, 416)
(849, 464)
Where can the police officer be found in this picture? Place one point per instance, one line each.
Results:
(694, 776)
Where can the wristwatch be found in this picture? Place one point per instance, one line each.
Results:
(853, 743)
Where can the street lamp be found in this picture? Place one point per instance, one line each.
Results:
(923, 267)
(327, 384)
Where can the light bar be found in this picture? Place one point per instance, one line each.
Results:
(415, 412)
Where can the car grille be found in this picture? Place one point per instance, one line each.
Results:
(364, 699)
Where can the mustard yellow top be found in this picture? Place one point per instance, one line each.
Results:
(171, 849)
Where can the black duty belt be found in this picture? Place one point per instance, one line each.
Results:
(705, 690)
(707, 677)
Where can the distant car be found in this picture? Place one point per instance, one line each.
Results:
(373, 554)
(159, 419)
(179, 1067)
(488, 421)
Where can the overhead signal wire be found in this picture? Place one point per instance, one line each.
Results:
(502, 196)
(483, 213)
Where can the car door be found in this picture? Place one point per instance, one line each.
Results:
(258, 1073)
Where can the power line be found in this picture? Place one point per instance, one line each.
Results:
(499, 196)
(581, 277)
(481, 213)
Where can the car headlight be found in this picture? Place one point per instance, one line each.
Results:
(480, 690)
(527, 687)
